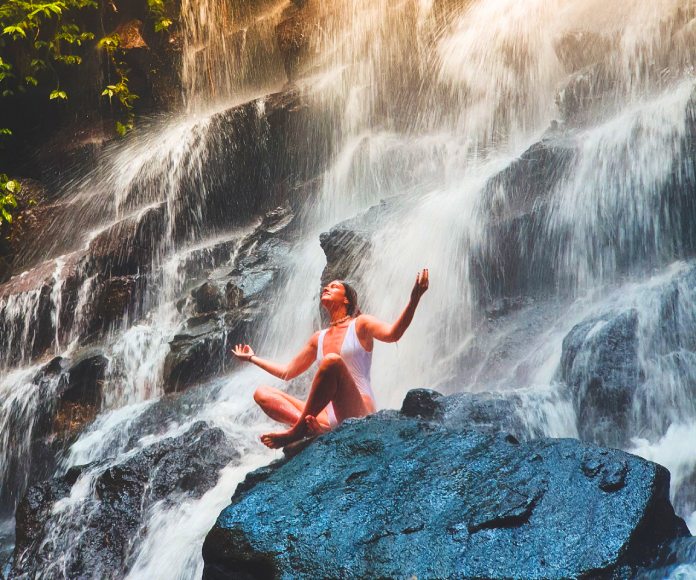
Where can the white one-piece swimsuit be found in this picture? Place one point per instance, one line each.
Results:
(357, 359)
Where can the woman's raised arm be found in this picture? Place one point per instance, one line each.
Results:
(294, 368)
(386, 332)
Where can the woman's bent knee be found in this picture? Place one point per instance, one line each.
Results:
(263, 394)
(331, 360)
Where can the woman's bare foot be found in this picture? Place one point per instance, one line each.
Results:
(315, 427)
(283, 438)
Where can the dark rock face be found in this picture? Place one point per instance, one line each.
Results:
(478, 505)
(223, 309)
(519, 254)
(600, 365)
(242, 146)
(514, 258)
(349, 242)
(97, 539)
(67, 396)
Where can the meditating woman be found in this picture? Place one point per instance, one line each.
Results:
(341, 388)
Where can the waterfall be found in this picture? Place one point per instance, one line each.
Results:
(535, 156)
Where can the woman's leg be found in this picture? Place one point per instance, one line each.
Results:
(333, 383)
(282, 407)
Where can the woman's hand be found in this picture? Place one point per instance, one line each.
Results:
(420, 286)
(243, 352)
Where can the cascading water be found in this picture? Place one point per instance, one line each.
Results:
(431, 106)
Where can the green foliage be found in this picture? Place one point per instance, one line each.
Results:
(8, 202)
(158, 10)
(46, 38)
(119, 91)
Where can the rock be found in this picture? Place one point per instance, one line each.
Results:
(200, 354)
(131, 35)
(423, 403)
(207, 298)
(349, 242)
(508, 263)
(96, 541)
(113, 300)
(83, 382)
(29, 219)
(479, 505)
(579, 49)
(496, 412)
(129, 246)
(293, 36)
(67, 395)
(600, 365)
(200, 349)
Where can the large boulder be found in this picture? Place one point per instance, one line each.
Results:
(393, 496)
(97, 539)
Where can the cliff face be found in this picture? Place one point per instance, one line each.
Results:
(397, 495)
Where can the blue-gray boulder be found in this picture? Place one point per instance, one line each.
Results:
(395, 496)
(600, 365)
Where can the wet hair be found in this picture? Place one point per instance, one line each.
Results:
(352, 296)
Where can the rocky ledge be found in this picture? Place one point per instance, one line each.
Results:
(410, 495)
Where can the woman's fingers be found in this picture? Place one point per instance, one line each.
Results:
(241, 349)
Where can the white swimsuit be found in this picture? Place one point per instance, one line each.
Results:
(357, 359)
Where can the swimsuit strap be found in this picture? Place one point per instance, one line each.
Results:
(320, 345)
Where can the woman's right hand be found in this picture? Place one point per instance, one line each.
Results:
(243, 352)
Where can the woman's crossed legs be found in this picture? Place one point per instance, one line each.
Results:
(333, 383)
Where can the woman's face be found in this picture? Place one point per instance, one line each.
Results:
(333, 294)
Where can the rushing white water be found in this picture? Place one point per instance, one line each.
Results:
(427, 102)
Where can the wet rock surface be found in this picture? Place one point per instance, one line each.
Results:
(223, 310)
(95, 537)
(600, 365)
(68, 396)
(508, 263)
(350, 242)
(494, 412)
(395, 496)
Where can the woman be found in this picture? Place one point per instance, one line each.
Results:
(341, 388)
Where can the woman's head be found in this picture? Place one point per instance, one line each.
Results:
(339, 293)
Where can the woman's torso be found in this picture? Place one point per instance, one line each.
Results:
(348, 346)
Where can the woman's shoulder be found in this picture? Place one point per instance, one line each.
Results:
(362, 321)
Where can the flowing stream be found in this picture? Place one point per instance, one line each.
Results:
(426, 104)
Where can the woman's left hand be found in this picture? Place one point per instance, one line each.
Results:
(421, 285)
(243, 352)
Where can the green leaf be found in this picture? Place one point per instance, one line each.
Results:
(162, 24)
(31, 81)
(12, 186)
(109, 42)
(56, 94)
(121, 129)
(14, 31)
(5, 131)
(6, 215)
